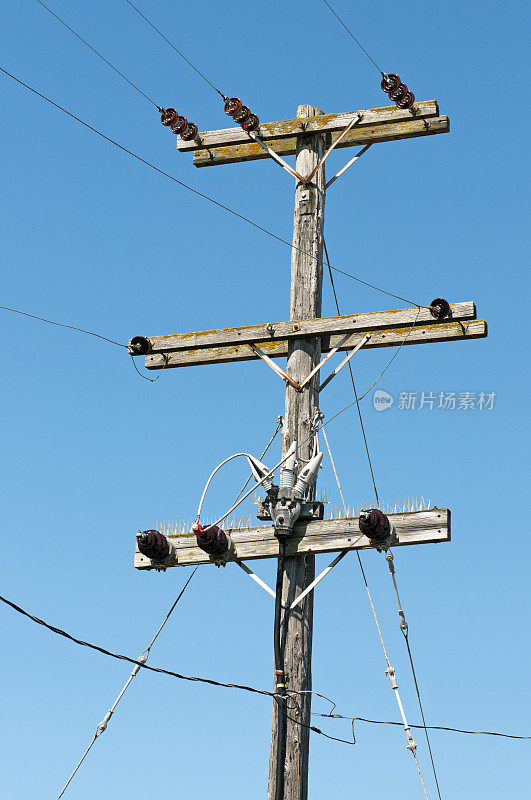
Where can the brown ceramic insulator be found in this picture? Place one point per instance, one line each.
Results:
(153, 544)
(439, 308)
(232, 106)
(252, 124)
(190, 132)
(407, 102)
(168, 117)
(399, 93)
(180, 125)
(390, 82)
(242, 115)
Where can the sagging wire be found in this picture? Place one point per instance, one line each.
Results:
(119, 656)
(142, 658)
(280, 423)
(201, 194)
(152, 380)
(421, 727)
(62, 324)
(151, 25)
(96, 52)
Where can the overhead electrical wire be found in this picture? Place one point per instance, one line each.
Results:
(336, 15)
(176, 50)
(144, 655)
(62, 325)
(96, 52)
(201, 194)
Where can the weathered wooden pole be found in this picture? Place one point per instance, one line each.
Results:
(301, 407)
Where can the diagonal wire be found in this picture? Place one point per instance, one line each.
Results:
(81, 39)
(200, 194)
(176, 50)
(143, 658)
(352, 35)
(62, 324)
(421, 727)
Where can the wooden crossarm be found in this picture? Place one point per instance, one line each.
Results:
(294, 329)
(357, 137)
(272, 132)
(320, 536)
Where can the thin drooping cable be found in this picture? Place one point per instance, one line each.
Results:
(81, 39)
(200, 194)
(144, 655)
(405, 631)
(62, 324)
(352, 35)
(121, 657)
(176, 50)
(421, 727)
(353, 384)
(209, 481)
(152, 380)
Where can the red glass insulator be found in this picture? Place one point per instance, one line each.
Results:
(211, 540)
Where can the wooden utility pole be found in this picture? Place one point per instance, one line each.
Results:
(302, 339)
(301, 407)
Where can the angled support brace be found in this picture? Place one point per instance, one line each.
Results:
(331, 353)
(270, 363)
(319, 578)
(275, 156)
(257, 580)
(332, 146)
(345, 361)
(347, 165)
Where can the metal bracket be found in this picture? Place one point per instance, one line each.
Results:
(276, 157)
(345, 361)
(347, 165)
(257, 580)
(270, 363)
(332, 146)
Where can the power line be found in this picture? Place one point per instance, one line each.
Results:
(96, 52)
(200, 194)
(430, 727)
(62, 324)
(144, 655)
(176, 50)
(336, 15)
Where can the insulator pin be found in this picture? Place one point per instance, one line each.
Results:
(211, 540)
(375, 525)
(153, 544)
(439, 308)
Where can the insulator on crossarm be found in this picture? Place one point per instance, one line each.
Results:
(139, 346)
(232, 106)
(153, 544)
(397, 91)
(190, 132)
(407, 101)
(390, 82)
(242, 115)
(252, 124)
(179, 125)
(211, 540)
(375, 525)
(439, 308)
(168, 117)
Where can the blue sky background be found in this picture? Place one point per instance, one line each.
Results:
(92, 453)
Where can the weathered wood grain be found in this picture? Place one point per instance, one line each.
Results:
(316, 536)
(266, 332)
(387, 337)
(323, 123)
(370, 134)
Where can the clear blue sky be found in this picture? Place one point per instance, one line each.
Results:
(91, 453)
